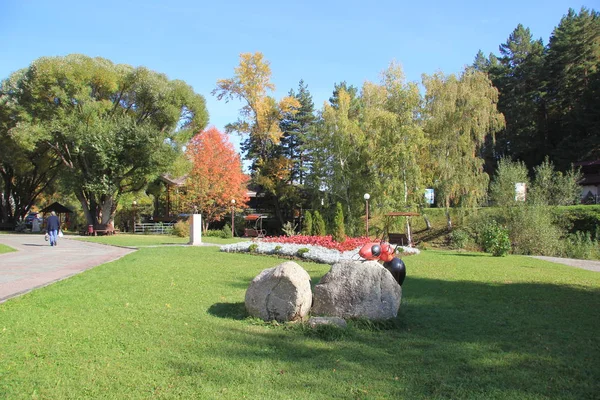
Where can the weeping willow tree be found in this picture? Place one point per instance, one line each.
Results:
(396, 141)
(458, 113)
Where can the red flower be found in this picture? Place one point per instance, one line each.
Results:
(323, 241)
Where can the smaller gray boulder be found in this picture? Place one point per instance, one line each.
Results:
(282, 293)
(357, 289)
(318, 321)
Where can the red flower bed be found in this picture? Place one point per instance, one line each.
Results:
(324, 241)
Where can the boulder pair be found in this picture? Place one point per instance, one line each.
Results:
(351, 289)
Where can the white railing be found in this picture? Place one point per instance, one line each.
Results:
(158, 228)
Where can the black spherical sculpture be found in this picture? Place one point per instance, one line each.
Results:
(397, 268)
(376, 250)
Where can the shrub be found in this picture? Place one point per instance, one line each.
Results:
(581, 246)
(459, 239)
(226, 232)
(533, 231)
(308, 224)
(318, 225)
(301, 252)
(339, 233)
(580, 219)
(495, 239)
(552, 187)
(253, 248)
(502, 188)
(181, 228)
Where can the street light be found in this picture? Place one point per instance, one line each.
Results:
(367, 196)
(134, 204)
(232, 217)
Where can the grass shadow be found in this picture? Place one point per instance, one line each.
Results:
(236, 311)
(521, 340)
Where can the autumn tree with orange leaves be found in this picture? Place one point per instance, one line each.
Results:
(259, 123)
(216, 177)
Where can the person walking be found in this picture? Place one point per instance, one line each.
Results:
(52, 227)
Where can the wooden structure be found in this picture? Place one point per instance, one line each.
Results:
(254, 226)
(166, 206)
(399, 238)
(61, 211)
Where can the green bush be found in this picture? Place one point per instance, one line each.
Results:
(495, 239)
(226, 232)
(502, 188)
(533, 230)
(579, 219)
(459, 239)
(307, 225)
(181, 228)
(302, 251)
(581, 246)
(339, 232)
(253, 248)
(318, 225)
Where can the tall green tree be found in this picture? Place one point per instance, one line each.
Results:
(25, 172)
(518, 75)
(458, 113)
(339, 158)
(113, 127)
(573, 88)
(295, 127)
(395, 140)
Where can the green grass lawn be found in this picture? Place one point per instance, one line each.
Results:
(169, 322)
(5, 249)
(124, 239)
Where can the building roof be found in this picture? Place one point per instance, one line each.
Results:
(587, 163)
(57, 208)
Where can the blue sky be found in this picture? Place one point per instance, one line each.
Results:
(321, 42)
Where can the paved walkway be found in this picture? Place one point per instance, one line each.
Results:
(584, 264)
(36, 264)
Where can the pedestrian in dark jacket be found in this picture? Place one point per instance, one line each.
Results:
(52, 227)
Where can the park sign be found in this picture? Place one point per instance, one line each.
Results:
(520, 191)
(429, 196)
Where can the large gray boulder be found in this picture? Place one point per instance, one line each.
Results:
(357, 289)
(281, 293)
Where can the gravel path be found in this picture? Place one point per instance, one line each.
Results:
(572, 262)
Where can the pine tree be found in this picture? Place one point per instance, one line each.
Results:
(295, 127)
(573, 88)
(318, 225)
(518, 76)
(307, 226)
(339, 232)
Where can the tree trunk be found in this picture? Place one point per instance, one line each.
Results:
(427, 222)
(108, 208)
(91, 219)
(408, 235)
(448, 219)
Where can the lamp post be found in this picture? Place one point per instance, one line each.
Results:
(232, 217)
(367, 196)
(134, 204)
